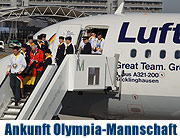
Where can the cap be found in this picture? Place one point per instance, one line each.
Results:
(16, 47)
(24, 46)
(85, 37)
(69, 38)
(30, 37)
(47, 51)
(61, 37)
(39, 37)
(99, 33)
(89, 31)
(43, 35)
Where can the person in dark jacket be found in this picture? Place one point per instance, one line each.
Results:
(29, 44)
(45, 41)
(24, 53)
(60, 51)
(48, 59)
(86, 49)
(28, 48)
(69, 49)
(41, 45)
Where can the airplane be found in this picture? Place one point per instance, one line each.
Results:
(148, 67)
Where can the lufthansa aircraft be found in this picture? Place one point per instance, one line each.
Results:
(148, 67)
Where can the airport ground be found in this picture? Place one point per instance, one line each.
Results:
(6, 52)
(68, 117)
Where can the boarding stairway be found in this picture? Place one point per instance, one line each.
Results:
(12, 111)
(76, 73)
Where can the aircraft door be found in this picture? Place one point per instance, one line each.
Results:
(66, 30)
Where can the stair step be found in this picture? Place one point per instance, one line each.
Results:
(10, 116)
(13, 104)
(6, 118)
(15, 107)
(21, 101)
(11, 112)
(28, 93)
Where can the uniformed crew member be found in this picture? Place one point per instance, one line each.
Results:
(60, 51)
(40, 44)
(30, 40)
(39, 41)
(24, 53)
(44, 41)
(69, 49)
(89, 33)
(29, 43)
(26, 56)
(100, 43)
(48, 59)
(23, 50)
(15, 67)
(87, 47)
(28, 48)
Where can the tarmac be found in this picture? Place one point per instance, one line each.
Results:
(7, 51)
(68, 117)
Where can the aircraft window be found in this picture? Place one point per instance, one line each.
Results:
(92, 32)
(177, 54)
(133, 53)
(162, 54)
(148, 53)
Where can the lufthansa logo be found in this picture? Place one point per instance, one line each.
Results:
(167, 27)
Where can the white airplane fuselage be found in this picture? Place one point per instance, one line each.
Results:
(150, 87)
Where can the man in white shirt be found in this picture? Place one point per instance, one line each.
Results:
(15, 67)
(93, 41)
(99, 44)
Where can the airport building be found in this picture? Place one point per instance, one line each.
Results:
(92, 7)
(154, 6)
(24, 17)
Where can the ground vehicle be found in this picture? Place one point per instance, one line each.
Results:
(13, 43)
(1, 45)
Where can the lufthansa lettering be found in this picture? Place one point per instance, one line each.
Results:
(167, 27)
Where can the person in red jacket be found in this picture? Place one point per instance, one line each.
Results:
(37, 55)
(36, 60)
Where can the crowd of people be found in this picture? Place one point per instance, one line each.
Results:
(91, 44)
(28, 63)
